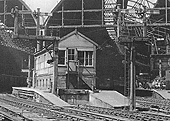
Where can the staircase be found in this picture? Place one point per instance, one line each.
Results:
(88, 81)
(78, 80)
(110, 18)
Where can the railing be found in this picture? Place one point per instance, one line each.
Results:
(91, 85)
(80, 75)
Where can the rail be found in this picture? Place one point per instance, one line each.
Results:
(83, 112)
(55, 112)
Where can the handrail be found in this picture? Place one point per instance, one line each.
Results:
(91, 85)
(69, 68)
(85, 68)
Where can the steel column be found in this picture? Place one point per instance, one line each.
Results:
(5, 5)
(62, 15)
(29, 72)
(82, 12)
(166, 11)
(102, 12)
(38, 28)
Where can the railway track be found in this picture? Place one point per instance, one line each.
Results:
(11, 115)
(135, 115)
(82, 112)
(161, 105)
(54, 112)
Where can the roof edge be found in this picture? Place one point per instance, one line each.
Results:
(48, 18)
(67, 36)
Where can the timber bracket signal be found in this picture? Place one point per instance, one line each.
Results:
(34, 37)
(134, 39)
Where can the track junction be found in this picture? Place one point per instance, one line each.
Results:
(30, 111)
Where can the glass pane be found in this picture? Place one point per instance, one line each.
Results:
(61, 57)
(90, 58)
(81, 57)
(69, 51)
(87, 63)
(89, 55)
(70, 54)
(90, 61)
(70, 57)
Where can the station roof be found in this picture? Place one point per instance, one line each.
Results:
(48, 5)
(55, 5)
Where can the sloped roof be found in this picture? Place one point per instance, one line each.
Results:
(67, 36)
(78, 33)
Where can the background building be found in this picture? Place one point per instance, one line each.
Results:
(110, 54)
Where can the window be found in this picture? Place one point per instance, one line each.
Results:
(89, 59)
(85, 58)
(71, 54)
(81, 57)
(61, 57)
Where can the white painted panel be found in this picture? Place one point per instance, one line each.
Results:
(75, 41)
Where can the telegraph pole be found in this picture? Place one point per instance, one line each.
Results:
(37, 16)
(55, 66)
(118, 20)
(40, 39)
(55, 54)
(144, 22)
(132, 79)
(15, 13)
(132, 60)
(29, 80)
(160, 69)
(132, 65)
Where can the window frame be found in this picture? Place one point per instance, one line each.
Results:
(65, 57)
(72, 54)
(84, 64)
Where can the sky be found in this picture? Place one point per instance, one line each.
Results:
(44, 5)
